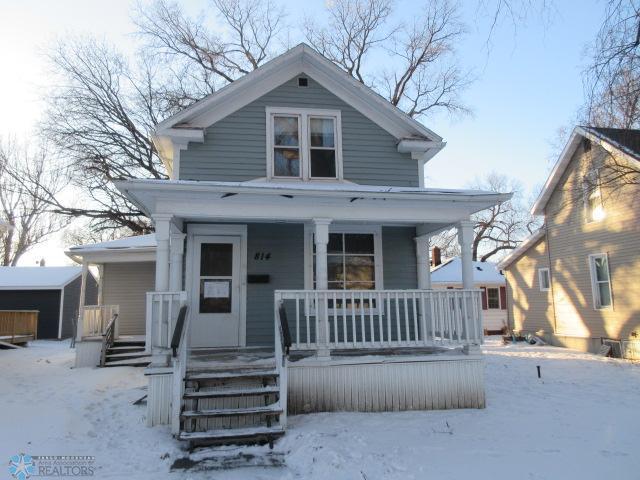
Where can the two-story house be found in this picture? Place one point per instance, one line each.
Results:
(295, 230)
(572, 281)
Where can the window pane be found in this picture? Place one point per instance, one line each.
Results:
(359, 269)
(605, 294)
(336, 286)
(335, 269)
(215, 304)
(360, 286)
(322, 132)
(286, 162)
(493, 298)
(285, 131)
(323, 163)
(358, 243)
(335, 243)
(602, 269)
(216, 259)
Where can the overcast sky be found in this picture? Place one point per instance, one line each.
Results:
(527, 85)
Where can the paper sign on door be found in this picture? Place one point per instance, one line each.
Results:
(216, 289)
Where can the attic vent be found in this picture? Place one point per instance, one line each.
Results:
(586, 144)
(303, 82)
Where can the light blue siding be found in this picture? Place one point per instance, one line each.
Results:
(285, 245)
(235, 147)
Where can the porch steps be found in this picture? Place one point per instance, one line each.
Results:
(273, 409)
(230, 435)
(214, 375)
(232, 392)
(231, 405)
(127, 353)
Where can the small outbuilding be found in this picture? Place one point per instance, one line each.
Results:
(487, 277)
(54, 292)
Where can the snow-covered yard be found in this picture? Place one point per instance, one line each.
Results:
(580, 421)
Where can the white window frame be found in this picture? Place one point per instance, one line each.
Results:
(378, 259)
(487, 294)
(304, 134)
(541, 272)
(597, 304)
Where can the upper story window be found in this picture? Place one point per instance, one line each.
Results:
(544, 280)
(594, 208)
(303, 144)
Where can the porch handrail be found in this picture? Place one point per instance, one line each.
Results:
(361, 319)
(282, 342)
(179, 359)
(108, 338)
(162, 311)
(95, 319)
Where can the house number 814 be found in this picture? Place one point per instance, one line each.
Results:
(262, 256)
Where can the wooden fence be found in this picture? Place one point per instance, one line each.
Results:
(18, 326)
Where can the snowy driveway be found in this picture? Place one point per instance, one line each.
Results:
(580, 421)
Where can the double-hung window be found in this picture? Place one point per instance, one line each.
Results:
(544, 280)
(303, 144)
(592, 194)
(600, 281)
(493, 298)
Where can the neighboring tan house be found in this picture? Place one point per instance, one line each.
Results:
(573, 282)
(296, 205)
(488, 278)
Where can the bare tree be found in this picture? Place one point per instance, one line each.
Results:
(612, 78)
(497, 229)
(28, 216)
(422, 76)
(101, 117)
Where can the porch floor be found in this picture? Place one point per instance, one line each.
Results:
(263, 357)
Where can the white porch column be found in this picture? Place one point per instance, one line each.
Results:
(100, 283)
(163, 225)
(175, 265)
(423, 262)
(465, 239)
(83, 290)
(321, 239)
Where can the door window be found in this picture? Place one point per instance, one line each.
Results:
(216, 275)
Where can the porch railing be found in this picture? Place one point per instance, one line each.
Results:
(161, 314)
(96, 318)
(356, 319)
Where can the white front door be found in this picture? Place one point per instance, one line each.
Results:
(215, 292)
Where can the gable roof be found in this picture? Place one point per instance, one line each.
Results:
(626, 142)
(522, 248)
(37, 278)
(451, 272)
(188, 125)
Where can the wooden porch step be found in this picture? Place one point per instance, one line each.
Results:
(128, 343)
(125, 356)
(229, 434)
(233, 392)
(273, 409)
(135, 362)
(231, 374)
(116, 350)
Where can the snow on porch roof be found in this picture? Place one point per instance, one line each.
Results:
(126, 243)
(451, 272)
(37, 278)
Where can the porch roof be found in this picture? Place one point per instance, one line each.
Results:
(289, 201)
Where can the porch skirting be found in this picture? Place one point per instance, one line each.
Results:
(88, 352)
(159, 398)
(421, 384)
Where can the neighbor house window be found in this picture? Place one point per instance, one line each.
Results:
(304, 144)
(493, 298)
(544, 281)
(592, 194)
(600, 280)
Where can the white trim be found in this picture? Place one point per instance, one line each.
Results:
(594, 282)
(565, 158)
(378, 253)
(221, 231)
(499, 307)
(541, 286)
(304, 132)
(60, 314)
(522, 248)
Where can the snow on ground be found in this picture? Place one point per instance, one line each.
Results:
(580, 421)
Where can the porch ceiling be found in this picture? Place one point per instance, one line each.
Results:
(264, 201)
